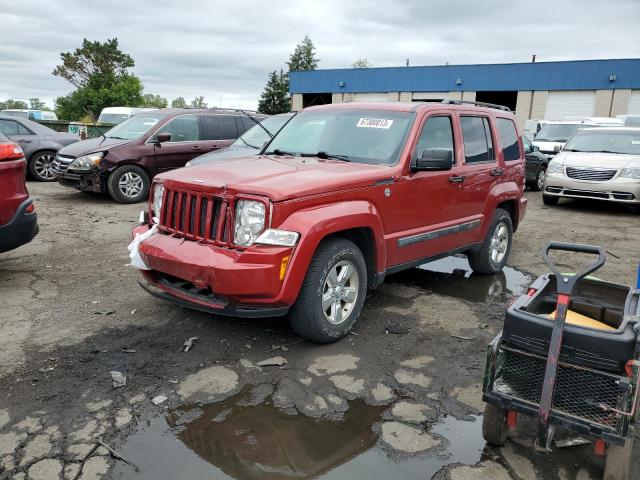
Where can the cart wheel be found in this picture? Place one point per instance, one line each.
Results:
(494, 425)
(618, 461)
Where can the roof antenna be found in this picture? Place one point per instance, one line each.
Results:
(533, 58)
(407, 62)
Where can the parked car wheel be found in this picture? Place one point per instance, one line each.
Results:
(539, 182)
(494, 251)
(128, 184)
(548, 200)
(41, 166)
(333, 292)
(494, 425)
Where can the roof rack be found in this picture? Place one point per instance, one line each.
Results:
(451, 101)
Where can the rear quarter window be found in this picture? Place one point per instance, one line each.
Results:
(508, 139)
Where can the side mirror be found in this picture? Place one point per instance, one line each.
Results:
(557, 148)
(163, 137)
(536, 148)
(432, 159)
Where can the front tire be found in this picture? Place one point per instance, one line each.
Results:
(538, 184)
(41, 166)
(494, 251)
(333, 292)
(128, 184)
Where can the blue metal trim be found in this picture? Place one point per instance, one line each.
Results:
(571, 75)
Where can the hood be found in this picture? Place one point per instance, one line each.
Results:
(228, 153)
(599, 160)
(278, 177)
(91, 145)
(63, 138)
(548, 147)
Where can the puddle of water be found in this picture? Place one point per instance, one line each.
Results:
(452, 276)
(262, 443)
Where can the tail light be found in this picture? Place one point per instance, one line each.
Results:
(10, 151)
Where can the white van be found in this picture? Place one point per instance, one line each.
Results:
(116, 115)
(34, 115)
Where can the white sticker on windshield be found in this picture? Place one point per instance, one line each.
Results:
(374, 123)
(635, 142)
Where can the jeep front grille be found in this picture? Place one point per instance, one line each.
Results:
(592, 174)
(195, 216)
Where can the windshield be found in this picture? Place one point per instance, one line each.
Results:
(135, 126)
(256, 137)
(605, 142)
(557, 132)
(358, 135)
(112, 117)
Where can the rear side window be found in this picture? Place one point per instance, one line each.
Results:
(22, 130)
(508, 139)
(437, 134)
(248, 123)
(478, 145)
(219, 127)
(182, 129)
(8, 127)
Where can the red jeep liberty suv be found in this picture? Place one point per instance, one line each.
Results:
(343, 195)
(18, 219)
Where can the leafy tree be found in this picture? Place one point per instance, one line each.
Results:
(99, 71)
(36, 104)
(362, 63)
(179, 102)
(198, 102)
(304, 56)
(151, 100)
(275, 96)
(13, 104)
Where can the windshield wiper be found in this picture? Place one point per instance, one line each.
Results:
(117, 138)
(248, 144)
(277, 151)
(571, 150)
(325, 155)
(257, 123)
(607, 151)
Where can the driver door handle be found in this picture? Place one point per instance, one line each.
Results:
(195, 147)
(456, 178)
(497, 172)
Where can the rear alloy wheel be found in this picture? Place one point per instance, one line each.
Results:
(494, 251)
(333, 292)
(128, 184)
(41, 166)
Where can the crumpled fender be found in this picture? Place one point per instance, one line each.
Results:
(316, 223)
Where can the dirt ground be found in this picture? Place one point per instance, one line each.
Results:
(72, 312)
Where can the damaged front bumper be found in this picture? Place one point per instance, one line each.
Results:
(214, 279)
(86, 182)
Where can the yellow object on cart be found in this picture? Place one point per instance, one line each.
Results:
(575, 318)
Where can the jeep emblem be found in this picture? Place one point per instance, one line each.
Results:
(387, 192)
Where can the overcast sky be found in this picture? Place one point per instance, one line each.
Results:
(225, 49)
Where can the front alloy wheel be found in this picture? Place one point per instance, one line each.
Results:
(41, 167)
(340, 292)
(131, 184)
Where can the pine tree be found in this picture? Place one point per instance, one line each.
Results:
(304, 56)
(275, 96)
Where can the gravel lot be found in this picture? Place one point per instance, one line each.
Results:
(72, 312)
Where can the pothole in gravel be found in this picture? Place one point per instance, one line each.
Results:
(452, 276)
(228, 441)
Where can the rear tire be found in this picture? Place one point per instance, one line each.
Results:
(538, 183)
(128, 184)
(494, 251)
(333, 292)
(494, 425)
(41, 166)
(617, 465)
(548, 200)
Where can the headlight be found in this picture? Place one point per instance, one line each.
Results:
(249, 222)
(158, 192)
(554, 167)
(282, 238)
(86, 163)
(631, 172)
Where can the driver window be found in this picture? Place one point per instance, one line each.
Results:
(182, 129)
(437, 134)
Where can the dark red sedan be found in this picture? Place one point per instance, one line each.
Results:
(18, 219)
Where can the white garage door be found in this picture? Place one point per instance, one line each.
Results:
(570, 104)
(634, 103)
(371, 97)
